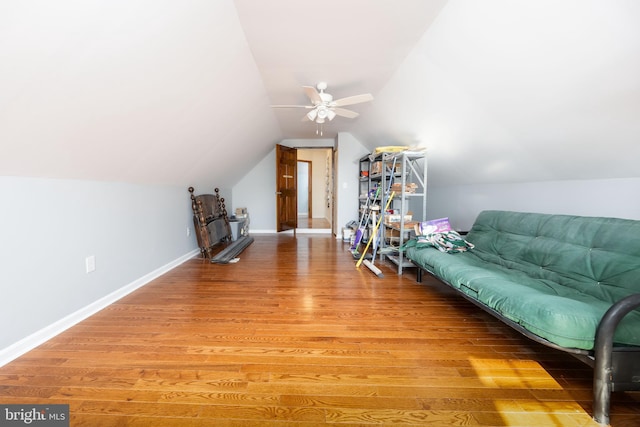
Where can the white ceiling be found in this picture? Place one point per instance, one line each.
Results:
(355, 46)
(179, 93)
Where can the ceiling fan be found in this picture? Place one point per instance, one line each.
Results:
(323, 106)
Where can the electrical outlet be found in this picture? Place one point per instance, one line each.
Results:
(188, 231)
(90, 263)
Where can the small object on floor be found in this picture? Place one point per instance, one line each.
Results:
(373, 268)
(234, 260)
(356, 256)
(230, 252)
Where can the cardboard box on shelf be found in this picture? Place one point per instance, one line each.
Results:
(395, 218)
(390, 233)
(396, 171)
(408, 226)
(408, 188)
(376, 168)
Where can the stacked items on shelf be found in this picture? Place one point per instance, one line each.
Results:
(410, 187)
(404, 173)
(368, 212)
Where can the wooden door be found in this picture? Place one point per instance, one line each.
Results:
(286, 188)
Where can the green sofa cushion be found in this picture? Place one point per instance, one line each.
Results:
(555, 275)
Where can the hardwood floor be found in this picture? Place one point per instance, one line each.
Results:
(295, 335)
(305, 222)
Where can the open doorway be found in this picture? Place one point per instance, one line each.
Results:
(315, 189)
(305, 189)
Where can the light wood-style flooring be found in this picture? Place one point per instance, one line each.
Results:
(295, 335)
(306, 222)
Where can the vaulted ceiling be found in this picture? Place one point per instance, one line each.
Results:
(179, 92)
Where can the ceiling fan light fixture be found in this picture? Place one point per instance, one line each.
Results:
(323, 112)
(331, 114)
(311, 115)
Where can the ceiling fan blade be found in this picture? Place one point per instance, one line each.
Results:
(313, 94)
(343, 112)
(355, 99)
(291, 106)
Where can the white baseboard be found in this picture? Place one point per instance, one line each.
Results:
(313, 230)
(32, 341)
(298, 230)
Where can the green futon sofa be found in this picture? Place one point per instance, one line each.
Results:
(569, 282)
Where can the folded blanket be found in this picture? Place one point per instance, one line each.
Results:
(446, 241)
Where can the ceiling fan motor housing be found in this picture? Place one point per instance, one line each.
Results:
(326, 98)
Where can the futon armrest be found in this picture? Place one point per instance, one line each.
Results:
(611, 319)
(604, 377)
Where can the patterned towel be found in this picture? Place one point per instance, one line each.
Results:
(447, 241)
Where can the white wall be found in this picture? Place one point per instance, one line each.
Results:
(350, 150)
(305, 180)
(256, 191)
(48, 227)
(605, 197)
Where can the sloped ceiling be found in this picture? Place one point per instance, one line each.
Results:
(516, 91)
(146, 91)
(177, 93)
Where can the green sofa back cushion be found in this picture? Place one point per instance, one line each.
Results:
(599, 257)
